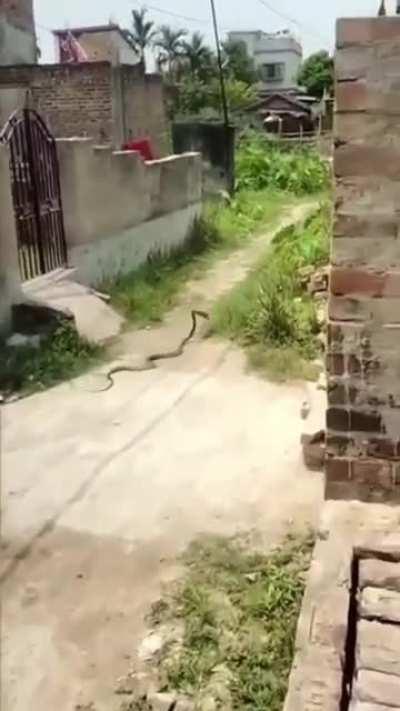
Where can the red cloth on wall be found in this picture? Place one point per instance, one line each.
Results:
(142, 146)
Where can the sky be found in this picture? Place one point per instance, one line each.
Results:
(312, 20)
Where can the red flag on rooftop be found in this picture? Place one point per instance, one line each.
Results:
(71, 52)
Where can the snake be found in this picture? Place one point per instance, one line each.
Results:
(152, 359)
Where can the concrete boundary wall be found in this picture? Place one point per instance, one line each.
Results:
(363, 421)
(119, 254)
(119, 209)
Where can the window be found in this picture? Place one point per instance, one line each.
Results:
(273, 72)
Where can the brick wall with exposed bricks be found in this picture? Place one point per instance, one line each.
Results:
(363, 419)
(75, 100)
(82, 100)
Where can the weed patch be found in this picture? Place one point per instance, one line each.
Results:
(239, 610)
(261, 163)
(269, 313)
(281, 364)
(60, 357)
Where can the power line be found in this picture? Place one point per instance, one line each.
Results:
(293, 20)
(42, 27)
(178, 16)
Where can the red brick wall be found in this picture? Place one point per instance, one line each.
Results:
(18, 13)
(363, 420)
(75, 100)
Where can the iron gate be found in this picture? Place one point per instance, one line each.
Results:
(36, 194)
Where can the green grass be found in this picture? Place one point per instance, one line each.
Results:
(262, 163)
(145, 295)
(239, 610)
(282, 363)
(270, 313)
(60, 357)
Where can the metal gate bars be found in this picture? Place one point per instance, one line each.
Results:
(36, 194)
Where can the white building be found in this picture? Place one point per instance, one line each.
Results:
(278, 56)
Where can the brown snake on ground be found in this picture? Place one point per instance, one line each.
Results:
(154, 357)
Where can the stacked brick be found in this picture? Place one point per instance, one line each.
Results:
(75, 100)
(376, 682)
(363, 419)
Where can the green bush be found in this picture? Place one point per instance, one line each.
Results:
(261, 163)
(61, 356)
(270, 309)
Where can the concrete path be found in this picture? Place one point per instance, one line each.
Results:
(101, 492)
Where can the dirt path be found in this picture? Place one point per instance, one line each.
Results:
(101, 493)
(203, 292)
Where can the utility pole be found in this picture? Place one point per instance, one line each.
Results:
(221, 71)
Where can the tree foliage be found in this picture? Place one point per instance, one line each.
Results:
(142, 33)
(199, 57)
(316, 74)
(191, 68)
(239, 94)
(237, 62)
(170, 44)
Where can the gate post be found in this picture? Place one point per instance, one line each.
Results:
(10, 281)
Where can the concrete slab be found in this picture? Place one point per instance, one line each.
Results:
(95, 320)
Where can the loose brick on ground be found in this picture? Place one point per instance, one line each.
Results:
(380, 604)
(376, 688)
(360, 706)
(378, 647)
(376, 573)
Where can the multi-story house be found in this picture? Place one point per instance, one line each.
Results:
(278, 57)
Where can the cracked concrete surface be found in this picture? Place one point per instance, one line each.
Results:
(101, 492)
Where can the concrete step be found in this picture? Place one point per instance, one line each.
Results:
(95, 320)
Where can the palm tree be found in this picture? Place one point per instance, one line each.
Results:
(197, 53)
(170, 43)
(142, 33)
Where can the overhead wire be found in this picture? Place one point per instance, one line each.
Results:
(43, 27)
(288, 18)
(179, 16)
(267, 5)
(306, 29)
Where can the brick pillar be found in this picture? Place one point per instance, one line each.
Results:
(363, 419)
